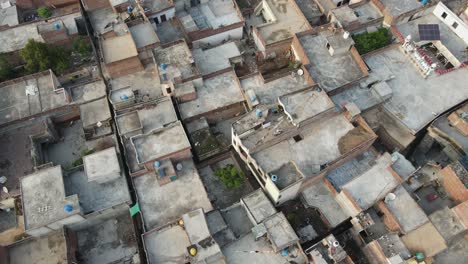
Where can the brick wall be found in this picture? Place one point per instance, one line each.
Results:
(453, 185)
(201, 34)
(124, 67)
(219, 114)
(388, 219)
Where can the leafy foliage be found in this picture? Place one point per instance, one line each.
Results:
(6, 71)
(367, 42)
(40, 57)
(79, 161)
(82, 47)
(44, 12)
(229, 175)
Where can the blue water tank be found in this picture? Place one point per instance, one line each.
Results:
(258, 113)
(424, 2)
(162, 172)
(163, 66)
(56, 26)
(124, 97)
(284, 252)
(68, 208)
(274, 178)
(129, 9)
(157, 164)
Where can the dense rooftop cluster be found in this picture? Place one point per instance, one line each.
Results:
(234, 131)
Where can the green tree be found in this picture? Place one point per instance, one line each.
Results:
(230, 176)
(40, 57)
(367, 42)
(44, 12)
(6, 71)
(82, 47)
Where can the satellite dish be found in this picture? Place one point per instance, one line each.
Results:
(99, 124)
(300, 72)
(5, 189)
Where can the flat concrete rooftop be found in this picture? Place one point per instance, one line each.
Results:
(118, 48)
(215, 59)
(319, 196)
(96, 196)
(16, 38)
(15, 157)
(213, 14)
(350, 169)
(144, 35)
(374, 184)
(442, 124)
(330, 72)
(397, 7)
(163, 204)
(168, 245)
(156, 6)
(306, 104)
(447, 223)
(160, 142)
(320, 145)
(45, 95)
(110, 241)
(9, 16)
(146, 82)
(415, 100)
(240, 252)
(258, 205)
(48, 249)
(102, 19)
(217, 92)
(44, 197)
(407, 212)
(268, 93)
(88, 91)
(425, 239)
(448, 38)
(93, 112)
(280, 232)
(288, 20)
(147, 118)
(178, 59)
(367, 12)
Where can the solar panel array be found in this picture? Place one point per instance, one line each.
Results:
(429, 32)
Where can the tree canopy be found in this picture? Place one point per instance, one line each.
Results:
(366, 42)
(40, 57)
(82, 47)
(44, 12)
(230, 176)
(6, 71)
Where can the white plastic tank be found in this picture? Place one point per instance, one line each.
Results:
(346, 35)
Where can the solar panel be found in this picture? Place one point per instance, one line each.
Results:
(429, 32)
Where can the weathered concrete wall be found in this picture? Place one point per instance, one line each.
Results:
(219, 114)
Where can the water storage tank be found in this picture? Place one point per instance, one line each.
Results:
(274, 178)
(346, 35)
(157, 164)
(163, 66)
(390, 197)
(68, 208)
(56, 26)
(258, 113)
